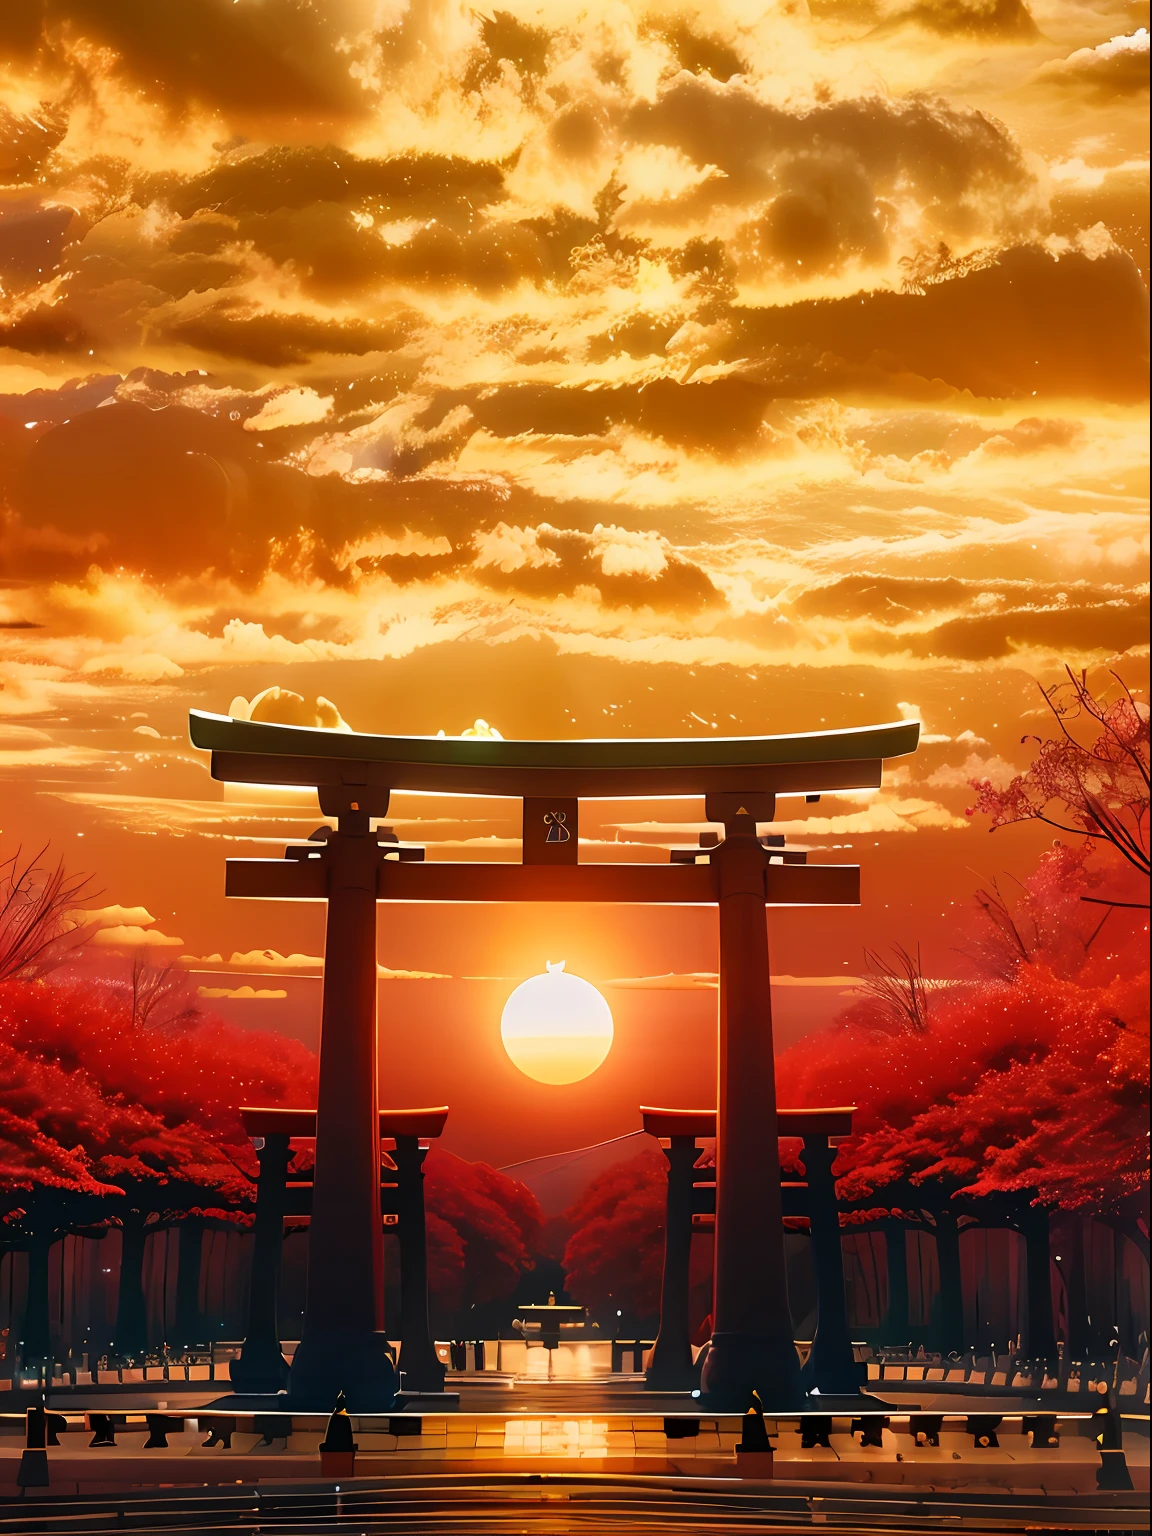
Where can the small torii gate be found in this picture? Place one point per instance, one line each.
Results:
(342, 1346)
(261, 1367)
(831, 1365)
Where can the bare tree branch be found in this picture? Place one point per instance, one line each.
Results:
(161, 995)
(900, 989)
(36, 932)
(1093, 782)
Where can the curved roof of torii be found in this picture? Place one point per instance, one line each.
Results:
(250, 751)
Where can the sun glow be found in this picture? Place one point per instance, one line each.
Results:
(555, 1027)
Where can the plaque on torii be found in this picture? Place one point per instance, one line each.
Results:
(342, 1345)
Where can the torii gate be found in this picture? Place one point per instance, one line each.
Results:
(691, 1198)
(261, 1367)
(342, 1345)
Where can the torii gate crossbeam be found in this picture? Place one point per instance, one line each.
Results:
(342, 1345)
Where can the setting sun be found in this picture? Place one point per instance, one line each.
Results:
(556, 1028)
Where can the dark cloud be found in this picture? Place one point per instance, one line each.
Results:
(573, 558)
(842, 156)
(507, 39)
(825, 209)
(166, 489)
(335, 254)
(881, 598)
(32, 239)
(239, 329)
(891, 600)
(46, 329)
(172, 490)
(247, 59)
(405, 186)
(1068, 630)
(725, 414)
(1028, 324)
(1033, 435)
(699, 52)
(996, 20)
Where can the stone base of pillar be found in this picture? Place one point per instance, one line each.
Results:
(357, 1364)
(421, 1371)
(837, 1378)
(1112, 1473)
(33, 1469)
(738, 1364)
(259, 1370)
(668, 1377)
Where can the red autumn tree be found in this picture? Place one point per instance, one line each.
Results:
(615, 1254)
(74, 1154)
(1064, 1121)
(1040, 919)
(446, 1252)
(483, 1230)
(1001, 1099)
(198, 1067)
(1091, 779)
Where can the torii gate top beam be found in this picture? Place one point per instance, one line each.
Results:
(301, 1123)
(699, 1123)
(255, 752)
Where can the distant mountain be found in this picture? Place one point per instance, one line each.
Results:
(556, 1180)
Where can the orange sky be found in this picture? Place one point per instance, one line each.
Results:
(596, 370)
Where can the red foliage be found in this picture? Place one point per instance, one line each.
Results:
(200, 1068)
(483, 1228)
(53, 1124)
(615, 1255)
(1043, 917)
(445, 1264)
(1032, 1081)
(1091, 778)
(59, 1132)
(1040, 1084)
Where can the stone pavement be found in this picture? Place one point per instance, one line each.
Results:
(626, 1444)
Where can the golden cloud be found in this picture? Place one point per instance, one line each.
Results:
(117, 927)
(671, 981)
(283, 707)
(114, 916)
(1118, 67)
(305, 967)
(243, 994)
(130, 936)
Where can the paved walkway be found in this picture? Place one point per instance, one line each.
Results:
(632, 1444)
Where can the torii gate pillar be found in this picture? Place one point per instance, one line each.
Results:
(752, 1347)
(343, 1347)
